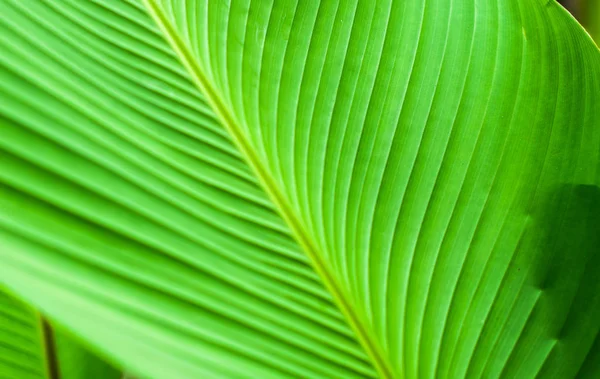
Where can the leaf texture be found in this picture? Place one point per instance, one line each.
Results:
(280, 188)
(22, 353)
(76, 361)
(31, 348)
(157, 243)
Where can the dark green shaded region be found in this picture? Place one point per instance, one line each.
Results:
(588, 13)
(568, 273)
(546, 317)
(572, 284)
(591, 18)
(77, 362)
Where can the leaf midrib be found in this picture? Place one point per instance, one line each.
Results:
(299, 231)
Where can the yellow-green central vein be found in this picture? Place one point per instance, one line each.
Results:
(297, 227)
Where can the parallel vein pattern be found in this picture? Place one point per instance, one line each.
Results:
(298, 229)
(22, 352)
(427, 138)
(152, 219)
(285, 188)
(31, 347)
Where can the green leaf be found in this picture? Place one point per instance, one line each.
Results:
(22, 347)
(403, 189)
(31, 348)
(77, 362)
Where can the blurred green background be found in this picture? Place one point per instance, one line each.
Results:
(588, 14)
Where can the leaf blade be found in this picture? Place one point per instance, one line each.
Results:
(418, 206)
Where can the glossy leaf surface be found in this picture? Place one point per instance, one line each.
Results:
(404, 189)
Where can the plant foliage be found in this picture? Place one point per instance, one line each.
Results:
(31, 348)
(287, 188)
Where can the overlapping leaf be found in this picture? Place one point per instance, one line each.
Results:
(31, 348)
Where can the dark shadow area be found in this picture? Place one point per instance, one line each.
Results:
(587, 12)
(569, 275)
